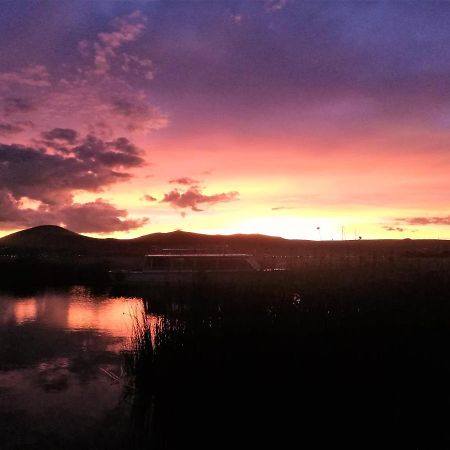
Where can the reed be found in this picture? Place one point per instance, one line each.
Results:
(340, 345)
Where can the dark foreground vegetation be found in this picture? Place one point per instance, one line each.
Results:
(346, 351)
(34, 270)
(349, 348)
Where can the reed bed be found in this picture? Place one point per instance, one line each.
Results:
(339, 352)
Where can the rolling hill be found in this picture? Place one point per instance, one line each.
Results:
(54, 239)
(50, 238)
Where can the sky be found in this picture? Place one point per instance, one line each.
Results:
(307, 120)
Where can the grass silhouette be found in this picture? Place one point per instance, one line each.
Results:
(347, 350)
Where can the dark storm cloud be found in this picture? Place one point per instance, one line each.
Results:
(193, 197)
(437, 220)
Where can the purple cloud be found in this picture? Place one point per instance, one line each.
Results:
(437, 220)
(32, 76)
(95, 93)
(275, 5)
(12, 105)
(185, 181)
(49, 177)
(93, 217)
(125, 30)
(9, 128)
(61, 134)
(193, 197)
(98, 217)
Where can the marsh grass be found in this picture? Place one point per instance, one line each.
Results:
(348, 351)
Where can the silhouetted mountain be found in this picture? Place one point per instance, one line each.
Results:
(50, 238)
(54, 239)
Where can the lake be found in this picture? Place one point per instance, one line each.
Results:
(57, 348)
(350, 354)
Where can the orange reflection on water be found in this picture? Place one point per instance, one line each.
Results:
(114, 316)
(25, 310)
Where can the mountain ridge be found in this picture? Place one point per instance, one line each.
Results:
(55, 239)
(57, 231)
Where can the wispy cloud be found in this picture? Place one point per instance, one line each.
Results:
(106, 50)
(436, 220)
(95, 93)
(14, 105)
(280, 208)
(393, 228)
(60, 134)
(36, 76)
(185, 181)
(9, 128)
(99, 216)
(193, 197)
(150, 198)
(275, 5)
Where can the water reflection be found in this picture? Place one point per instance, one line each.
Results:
(25, 310)
(53, 346)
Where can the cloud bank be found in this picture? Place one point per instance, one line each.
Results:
(63, 132)
(93, 217)
(53, 172)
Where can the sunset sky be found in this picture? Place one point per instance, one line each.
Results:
(121, 118)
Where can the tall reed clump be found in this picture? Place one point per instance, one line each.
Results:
(139, 370)
(141, 354)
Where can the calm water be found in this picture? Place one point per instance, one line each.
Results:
(229, 367)
(54, 349)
